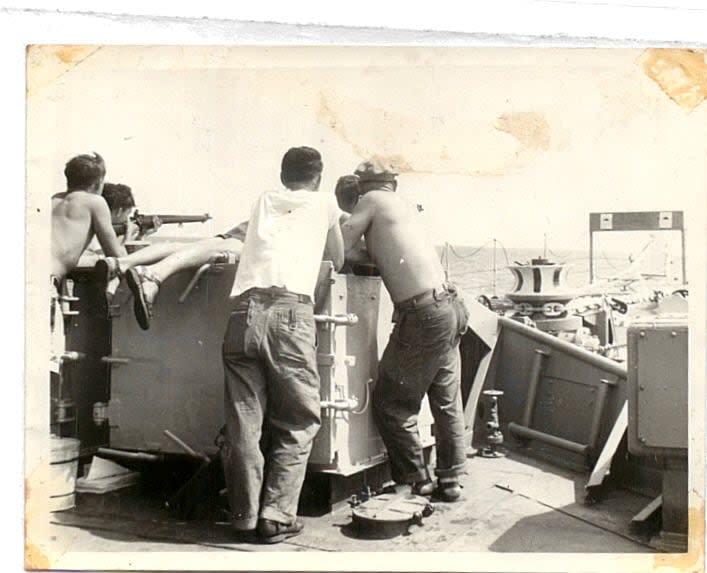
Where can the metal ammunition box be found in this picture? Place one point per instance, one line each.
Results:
(171, 377)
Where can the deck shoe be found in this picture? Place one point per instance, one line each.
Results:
(424, 487)
(141, 306)
(269, 531)
(106, 269)
(448, 490)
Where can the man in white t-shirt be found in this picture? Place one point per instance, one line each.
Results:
(272, 399)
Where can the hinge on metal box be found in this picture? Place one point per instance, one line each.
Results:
(606, 221)
(115, 360)
(67, 297)
(100, 413)
(665, 220)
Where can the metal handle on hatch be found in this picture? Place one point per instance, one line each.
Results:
(195, 279)
(115, 360)
(337, 319)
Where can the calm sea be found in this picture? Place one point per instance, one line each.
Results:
(472, 269)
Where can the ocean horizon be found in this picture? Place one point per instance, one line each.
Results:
(473, 268)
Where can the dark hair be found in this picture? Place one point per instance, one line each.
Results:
(84, 172)
(300, 165)
(347, 190)
(118, 196)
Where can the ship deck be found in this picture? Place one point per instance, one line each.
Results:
(511, 504)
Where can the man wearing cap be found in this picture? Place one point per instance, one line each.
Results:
(269, 355)
(422, 355)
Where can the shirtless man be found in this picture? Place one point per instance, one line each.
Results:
(422, 355)
(78, 214)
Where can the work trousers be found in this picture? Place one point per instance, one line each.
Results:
(422, 357)
(272, 404)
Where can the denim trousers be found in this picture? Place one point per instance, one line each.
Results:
(422, 357)
(272, 404)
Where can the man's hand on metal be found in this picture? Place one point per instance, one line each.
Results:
(132, 230)
(155, 225)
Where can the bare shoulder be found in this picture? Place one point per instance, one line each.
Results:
(373, 200)
(374, 197)
(93, 201)
(382, 202)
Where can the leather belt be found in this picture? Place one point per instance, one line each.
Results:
(425, 298)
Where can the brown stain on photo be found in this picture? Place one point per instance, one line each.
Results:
(528, 127)
(433, 145)
(47, 63)
(680, 73)
(327, 116)
(34, 556)
(693, 559)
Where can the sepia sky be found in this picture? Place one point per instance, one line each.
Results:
(491, 142)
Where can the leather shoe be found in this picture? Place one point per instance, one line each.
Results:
(425, 487)
(269, 531)
(450, 491)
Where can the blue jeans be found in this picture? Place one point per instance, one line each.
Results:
(272, 404)
(422, 357)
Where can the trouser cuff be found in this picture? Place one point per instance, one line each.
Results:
(274, 514)
(454, 471)
(411, 478)
(244, 523)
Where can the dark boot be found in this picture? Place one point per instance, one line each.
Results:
(269, 531)
(448, 489)
(424, 487)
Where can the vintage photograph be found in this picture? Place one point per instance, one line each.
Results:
(402, 300)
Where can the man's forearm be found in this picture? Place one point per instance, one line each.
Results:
(358, 254)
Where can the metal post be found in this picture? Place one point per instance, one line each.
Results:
(494, 266)
(591, 256)
(598, 413)
(684, 257)
(540, 356)
(530, 434)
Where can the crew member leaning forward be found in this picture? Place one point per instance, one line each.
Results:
(269, 355)
(78, 214)
(422, 355)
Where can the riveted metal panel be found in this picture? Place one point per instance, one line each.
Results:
(658, 376)
(173, 379)
(567, 391)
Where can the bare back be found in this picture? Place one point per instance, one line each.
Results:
(76, 217)
(397, 243)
